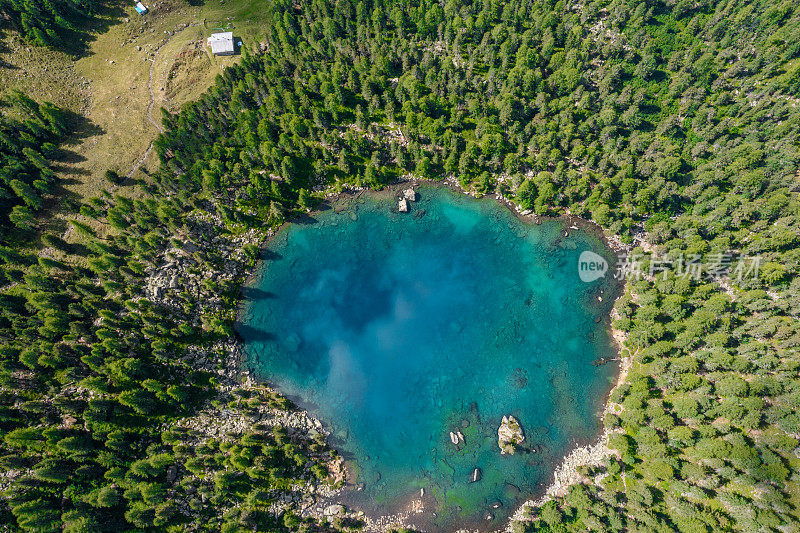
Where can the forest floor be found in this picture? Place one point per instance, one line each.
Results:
(117, 88)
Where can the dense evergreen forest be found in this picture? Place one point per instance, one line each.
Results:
(29, 138)
(53, 23)
(673, 125)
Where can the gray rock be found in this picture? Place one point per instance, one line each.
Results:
(334, 510)
(476, 475)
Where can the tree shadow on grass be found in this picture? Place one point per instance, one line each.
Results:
(64, 162)
(77, 42)
(69, 170)
(81, 129)
(85, 28)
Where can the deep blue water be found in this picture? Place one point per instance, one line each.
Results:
(397, 328)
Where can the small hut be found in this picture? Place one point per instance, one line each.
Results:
(140, 8)
(222, 44)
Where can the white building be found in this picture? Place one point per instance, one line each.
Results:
(222, 44)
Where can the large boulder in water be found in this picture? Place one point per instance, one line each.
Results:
(476, 475)
(509, 435)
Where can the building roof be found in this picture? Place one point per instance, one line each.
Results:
(221, 43)
(140, 8)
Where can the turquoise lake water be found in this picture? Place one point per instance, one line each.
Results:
(397, 328)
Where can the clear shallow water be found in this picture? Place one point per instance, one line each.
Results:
(397, 328)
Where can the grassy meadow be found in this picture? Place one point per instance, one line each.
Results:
(133, 68)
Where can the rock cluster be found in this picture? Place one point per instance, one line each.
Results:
(409, 195)
(509, 435)
(456, 437)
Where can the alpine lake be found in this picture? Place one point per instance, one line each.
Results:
(401, 331)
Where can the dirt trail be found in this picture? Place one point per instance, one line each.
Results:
(155, 124)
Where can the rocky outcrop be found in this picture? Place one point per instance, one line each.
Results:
(509, 435)
(404, 202)
(335, 510)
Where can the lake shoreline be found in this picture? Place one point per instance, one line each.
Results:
(588, 451)
(591, 453)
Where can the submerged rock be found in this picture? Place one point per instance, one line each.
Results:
(511, 490)
(509, 435)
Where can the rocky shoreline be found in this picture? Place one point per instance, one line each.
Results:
(592, 455)
(208, 252)
(181, 271)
